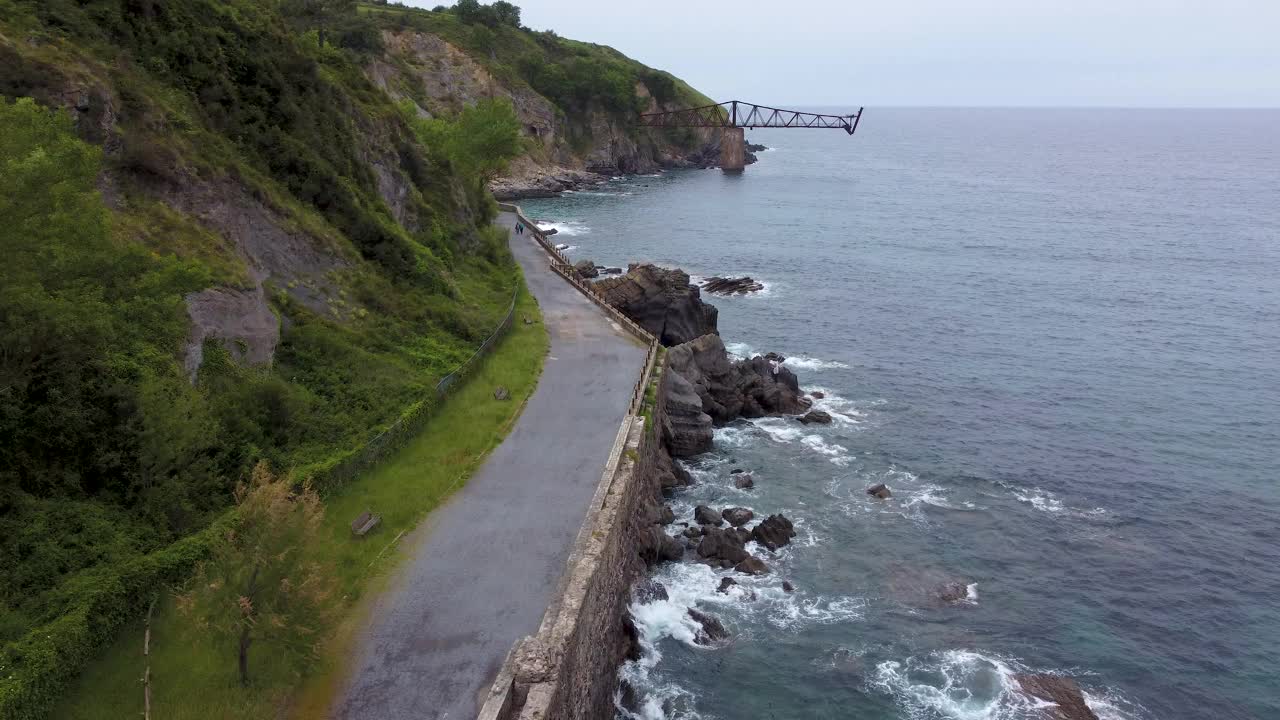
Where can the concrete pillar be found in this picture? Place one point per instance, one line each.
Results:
(733, 150)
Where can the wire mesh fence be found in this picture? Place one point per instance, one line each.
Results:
(412, 420)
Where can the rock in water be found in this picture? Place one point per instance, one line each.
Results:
(549, 232)
(752, 566)
(1060, 690)
(744, 481)
(774, 532)
(562, 246)
(731, 286)
(787, 586)
(586, 269)
(650, 591)
(655, 546)
(725, 584)
(815, 416)
(738, 516)
(704, 515)
(712, 629)
(817, 394)
(667, 515)
(954, 592)
(881, 491)
(722, 545)
(661, 301)
(729, 390)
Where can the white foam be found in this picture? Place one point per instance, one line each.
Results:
(959, 684)
(804, 362)
(1047, 502)
(565, 227)
(841, 409)
(741, 351)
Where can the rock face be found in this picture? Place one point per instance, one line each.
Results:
(731, 286)
(1060, 690)
(687, 430)
(661, 301)
(729, 390)
(737, 517)
(774, 532)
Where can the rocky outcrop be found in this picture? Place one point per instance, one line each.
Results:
(737, 517)
(731, 286)
(661, 301)
(743, 481)
(1062, 691)
(710, 630)
(704, 515)
(729, 390)
(752, 566)
(724, 546)
(586, 269)
(774, 532)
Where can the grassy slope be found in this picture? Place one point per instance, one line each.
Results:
(193, 679)
(340, 375)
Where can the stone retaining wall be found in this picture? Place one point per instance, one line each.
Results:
(568, 670)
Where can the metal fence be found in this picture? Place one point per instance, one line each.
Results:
(412, 420)
(561, 266)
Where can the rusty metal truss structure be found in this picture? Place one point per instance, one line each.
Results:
(735, 113)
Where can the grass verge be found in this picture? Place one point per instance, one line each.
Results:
(194, 678)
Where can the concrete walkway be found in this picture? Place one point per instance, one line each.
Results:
(484, 566)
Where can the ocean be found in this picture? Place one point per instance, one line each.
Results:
(1055, 335)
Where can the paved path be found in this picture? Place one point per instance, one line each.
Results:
(483, 567)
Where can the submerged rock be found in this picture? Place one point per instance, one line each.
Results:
(954, 592)
(880, 491)
(744, 481)
(787, 586)
(1063, 691)
(774, 532)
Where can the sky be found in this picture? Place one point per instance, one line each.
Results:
(1116, 53)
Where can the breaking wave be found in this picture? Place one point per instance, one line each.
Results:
(565, 227)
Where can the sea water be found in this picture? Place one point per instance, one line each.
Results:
(1055, 335)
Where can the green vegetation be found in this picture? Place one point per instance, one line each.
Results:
(143, 145)
(195, 677)
(575, 76)
(262, 582)
(478, 143)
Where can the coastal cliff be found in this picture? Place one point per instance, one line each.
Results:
(577, 102)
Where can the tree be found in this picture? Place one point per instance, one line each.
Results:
(479, 142)
(260, 584)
